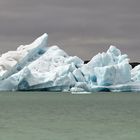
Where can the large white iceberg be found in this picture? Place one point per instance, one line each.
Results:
(39, 67)
(13, 61)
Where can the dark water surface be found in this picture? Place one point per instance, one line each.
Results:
(54, 116)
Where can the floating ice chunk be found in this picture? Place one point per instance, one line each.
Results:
(105, 75)
(114, 51)
(114, 74)
(123, 73)
(111, 57)
(89, 74)
(38, 67)
(63, 83)
(39, 42)
(14, 61)
(76, 60)
(78, 75)
(108, 68)
(51, 69)
(12, 82)
(135, 74)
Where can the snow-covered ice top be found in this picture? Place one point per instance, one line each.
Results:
(11, 58)
(39, 67)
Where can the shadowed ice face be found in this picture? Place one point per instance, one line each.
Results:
(80, 27)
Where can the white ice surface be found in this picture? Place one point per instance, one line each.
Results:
(38, 67)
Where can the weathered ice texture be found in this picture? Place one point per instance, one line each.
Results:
(39, 67)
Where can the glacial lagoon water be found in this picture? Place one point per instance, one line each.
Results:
(64, 116)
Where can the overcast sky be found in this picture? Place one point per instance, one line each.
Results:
(80, 27)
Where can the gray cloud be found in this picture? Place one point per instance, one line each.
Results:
(86, 25)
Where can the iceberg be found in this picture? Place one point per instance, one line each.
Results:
(37, 67)
(13, 61)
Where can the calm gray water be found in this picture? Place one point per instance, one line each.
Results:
(54, 116)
